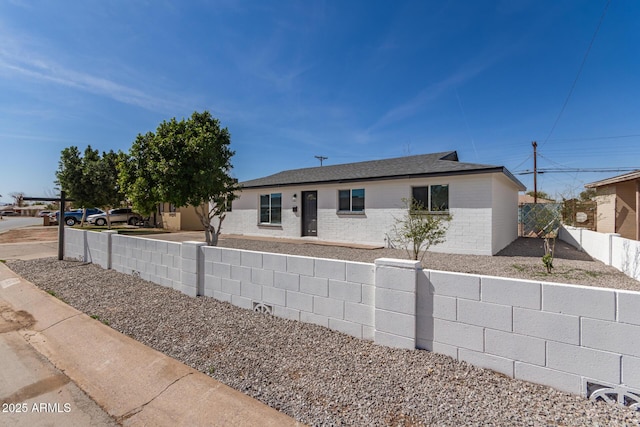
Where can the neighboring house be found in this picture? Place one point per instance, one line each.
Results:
(357, 202)
(179, 219)
(618, 200)
(32, 210)
(524, 199)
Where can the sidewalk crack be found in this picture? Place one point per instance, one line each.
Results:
(134, 411)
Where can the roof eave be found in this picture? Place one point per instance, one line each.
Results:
(505, 171)
(614, 180)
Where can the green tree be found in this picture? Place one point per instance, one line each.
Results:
(418, 229)
(588, 194)
(186, 162)
(136, 177)
(90, 180)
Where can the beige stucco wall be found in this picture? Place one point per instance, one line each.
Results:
(171, 221)
(606, 211)
(626, 209)
(183, 219)
(189, 220)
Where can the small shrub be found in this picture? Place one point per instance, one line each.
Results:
(419, 229)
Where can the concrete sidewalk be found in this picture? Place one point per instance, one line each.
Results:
(30, 250)
(132, 383)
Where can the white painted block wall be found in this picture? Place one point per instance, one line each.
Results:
(610, 248)
(554, 334)
(331, 293)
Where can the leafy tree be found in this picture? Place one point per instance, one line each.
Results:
(90, 180)
(588, 194)
(136, 177)
(418, 230)
(18, 198)
(186, 162)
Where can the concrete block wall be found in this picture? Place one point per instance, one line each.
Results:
(395, 302)
(331, 293)
(558, 335)
(75, 243)
(154, 260)
(563, 336)
(610, 248)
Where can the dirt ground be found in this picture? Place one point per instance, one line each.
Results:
(30, 234)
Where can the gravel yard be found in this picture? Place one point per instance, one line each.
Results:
(522, 259)
(322, 377)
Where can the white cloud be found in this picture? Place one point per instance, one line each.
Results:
(24, 61)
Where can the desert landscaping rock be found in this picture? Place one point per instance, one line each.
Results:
(317, 376)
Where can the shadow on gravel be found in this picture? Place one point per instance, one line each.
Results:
(533, 247)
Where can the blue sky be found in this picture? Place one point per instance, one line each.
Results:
(349, 80)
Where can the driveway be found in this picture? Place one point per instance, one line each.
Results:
(11, 222)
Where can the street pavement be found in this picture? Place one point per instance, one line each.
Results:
(11, 222)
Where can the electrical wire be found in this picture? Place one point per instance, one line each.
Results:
(575, 81)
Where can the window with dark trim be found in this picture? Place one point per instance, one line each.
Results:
(271, 208)
(432, 198)
(351, 200)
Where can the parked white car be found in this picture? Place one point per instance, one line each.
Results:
(116, 215)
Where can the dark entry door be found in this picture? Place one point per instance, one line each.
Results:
(309, 213)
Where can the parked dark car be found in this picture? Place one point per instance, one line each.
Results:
(9, 213)
(75, 216)
(116, 215)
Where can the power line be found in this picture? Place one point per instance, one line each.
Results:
(575, 170)
(575, 81)
(596, 138)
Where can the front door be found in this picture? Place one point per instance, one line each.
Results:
(309, 213)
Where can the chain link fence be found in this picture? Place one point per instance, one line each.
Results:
(539, 219)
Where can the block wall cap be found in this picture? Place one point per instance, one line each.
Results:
(398, 263)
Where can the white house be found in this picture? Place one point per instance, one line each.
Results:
(357, 202)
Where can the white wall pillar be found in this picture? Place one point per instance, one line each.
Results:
(395, 302)
(192, 272)
(108, 249)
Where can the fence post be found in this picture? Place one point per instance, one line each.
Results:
(109, 234)
(395, 302)
(191, 275)
(611, 236)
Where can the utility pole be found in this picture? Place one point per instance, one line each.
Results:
(535, 172)
(321, 158)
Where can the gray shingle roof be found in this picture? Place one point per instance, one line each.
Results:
(422, 165)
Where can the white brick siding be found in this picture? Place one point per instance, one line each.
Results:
(483, 206)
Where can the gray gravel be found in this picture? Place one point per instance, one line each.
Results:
(315, 375)
(522, 259)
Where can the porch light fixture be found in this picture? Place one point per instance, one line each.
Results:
(294, 199)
